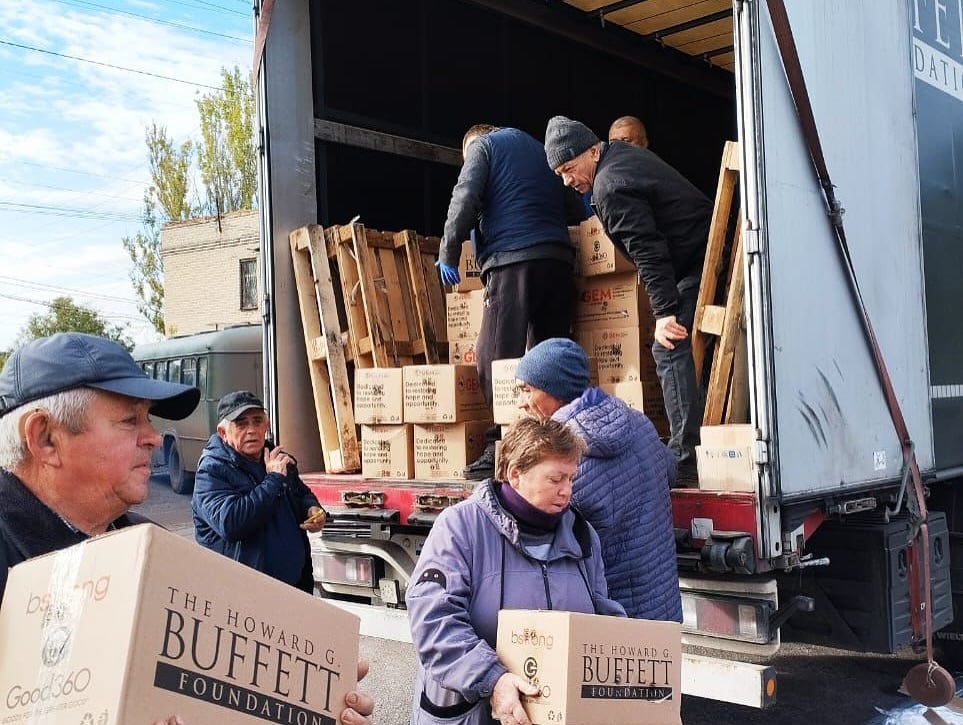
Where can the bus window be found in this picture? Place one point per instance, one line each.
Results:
(148, 368)
(189, 371)
(202, 376)
(160, 370)
(174, 370)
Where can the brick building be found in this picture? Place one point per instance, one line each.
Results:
(211, 275)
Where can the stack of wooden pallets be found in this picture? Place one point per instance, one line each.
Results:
(367, 299)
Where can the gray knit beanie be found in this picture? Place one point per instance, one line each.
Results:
(557, 366)
(565, 139)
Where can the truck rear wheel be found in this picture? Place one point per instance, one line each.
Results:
(181, 481)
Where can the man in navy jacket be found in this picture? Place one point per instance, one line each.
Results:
(514, 209)
(249, 502)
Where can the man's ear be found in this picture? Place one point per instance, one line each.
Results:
(222, 432)
(42, 437)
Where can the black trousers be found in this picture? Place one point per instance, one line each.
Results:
(525, 303)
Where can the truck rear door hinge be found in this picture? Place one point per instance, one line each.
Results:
(750, 241)
(760, 452)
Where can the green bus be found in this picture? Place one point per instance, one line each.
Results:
(217, 363)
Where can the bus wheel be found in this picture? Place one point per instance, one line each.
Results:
(181, 481)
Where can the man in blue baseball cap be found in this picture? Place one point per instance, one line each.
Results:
(75, 448)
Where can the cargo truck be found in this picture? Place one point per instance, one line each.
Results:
(361, 108)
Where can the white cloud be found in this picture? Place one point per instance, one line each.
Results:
(72, 137)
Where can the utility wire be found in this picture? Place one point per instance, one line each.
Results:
(110, 65)
(17, 282)
(46, 210)
(85, 173)
(158, 21)
(69, 191)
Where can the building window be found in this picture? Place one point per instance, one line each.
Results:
(248, 284)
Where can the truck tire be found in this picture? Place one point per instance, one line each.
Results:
(182, 481)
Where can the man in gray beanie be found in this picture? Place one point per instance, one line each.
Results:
(661, 222)
(623, 480)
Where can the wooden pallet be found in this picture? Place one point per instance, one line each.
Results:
(324, 343)
(719, 336)
(393, 299)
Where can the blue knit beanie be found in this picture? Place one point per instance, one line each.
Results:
(557, 366)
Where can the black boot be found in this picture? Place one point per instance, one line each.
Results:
(483, 467)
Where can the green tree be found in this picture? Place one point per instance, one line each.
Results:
(147, 268)
(4, 354)
(225, 157)
(226, 153)
(65, 315)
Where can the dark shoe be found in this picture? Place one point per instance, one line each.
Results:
(483, 467)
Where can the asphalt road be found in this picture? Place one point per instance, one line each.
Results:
(817, 685)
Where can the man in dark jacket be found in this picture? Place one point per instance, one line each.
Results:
(515, 211)
(249, 502)
(661, 221)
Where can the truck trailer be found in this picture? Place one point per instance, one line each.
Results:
(361, 109)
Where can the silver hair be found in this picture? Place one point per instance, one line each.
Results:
(68, 409)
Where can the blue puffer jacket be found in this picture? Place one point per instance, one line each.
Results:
(622, 488)
(254, 517)
(472, 565)
(509, 194)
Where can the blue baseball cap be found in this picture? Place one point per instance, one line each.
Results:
(69, 360)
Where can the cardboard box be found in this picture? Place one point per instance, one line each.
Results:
(464, 314)
(378, 395)
(468, 270)
(613, 300)
(724, 459)
(443, 450)
(594, 670)
(618, 354)
(443, 394)
(597, 253)
(505, 393)
(387, 451)
(140, 624)
(462, 352)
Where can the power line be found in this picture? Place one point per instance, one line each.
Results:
(85, 173)
(110, 65)
(17, 282)
(219, 7)
(157, 21)
(47, 210)
(69, 191)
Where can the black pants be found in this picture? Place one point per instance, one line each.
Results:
(525, 303)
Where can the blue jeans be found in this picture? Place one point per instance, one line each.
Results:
(684, 402)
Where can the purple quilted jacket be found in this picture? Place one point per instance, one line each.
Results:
(622, 488)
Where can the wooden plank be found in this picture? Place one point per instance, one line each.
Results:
(713, 317)
(329, 378)
(722, 363)
(425, 317)
(342, 133)
(737, 402)
(377, 318)
(715, 247)
(341, 240)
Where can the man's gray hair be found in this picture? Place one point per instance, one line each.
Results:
(68, 408)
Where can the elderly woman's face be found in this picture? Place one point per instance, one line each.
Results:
(548, 485)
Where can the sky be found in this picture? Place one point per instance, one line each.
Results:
(73, 162)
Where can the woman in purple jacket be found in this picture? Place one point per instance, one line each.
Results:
(514, 544)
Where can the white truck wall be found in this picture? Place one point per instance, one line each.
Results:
(817, 393)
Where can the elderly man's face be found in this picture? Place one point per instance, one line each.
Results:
(245, 434)
(108, 464)
(579, 173)
(536, 403)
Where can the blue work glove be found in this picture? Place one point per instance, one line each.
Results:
(449, 275)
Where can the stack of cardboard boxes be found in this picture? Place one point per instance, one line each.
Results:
(464, 308)
(614, 323)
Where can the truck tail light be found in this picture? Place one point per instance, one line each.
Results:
(742, 619)
(346, 569)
